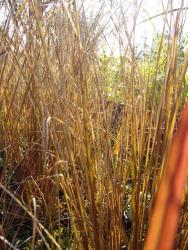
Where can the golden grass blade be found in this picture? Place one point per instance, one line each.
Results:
(164, 222)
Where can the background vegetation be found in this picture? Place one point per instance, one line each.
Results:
(69, 180)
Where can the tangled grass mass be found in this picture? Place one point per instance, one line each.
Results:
(93, 143)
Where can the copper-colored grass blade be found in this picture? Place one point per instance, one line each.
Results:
(164, 221)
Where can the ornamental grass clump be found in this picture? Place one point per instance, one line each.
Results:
(84, 136)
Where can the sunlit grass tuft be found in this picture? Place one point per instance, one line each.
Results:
(69, 173)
